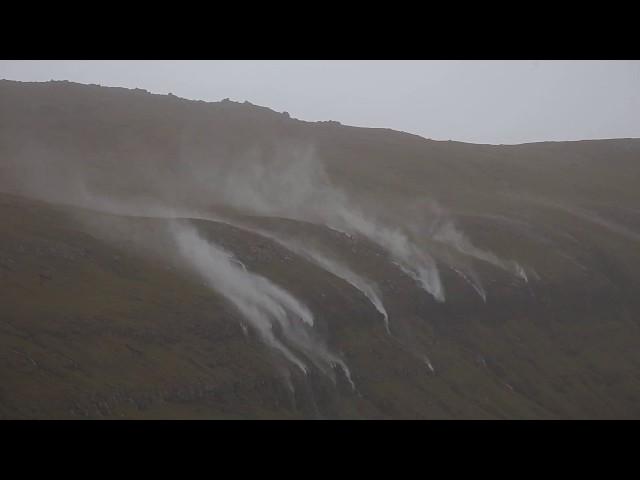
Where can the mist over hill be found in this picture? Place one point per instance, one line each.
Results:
(169, 258)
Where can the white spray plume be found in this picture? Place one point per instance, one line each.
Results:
(412, 260)
(448, 233)
(364, 286)
(296, 186)
(264, 304)
(331, 265)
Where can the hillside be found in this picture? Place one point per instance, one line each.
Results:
(166, 258)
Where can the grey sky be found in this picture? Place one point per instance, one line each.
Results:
(471, 101)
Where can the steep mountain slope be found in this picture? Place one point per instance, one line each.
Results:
(147, 242)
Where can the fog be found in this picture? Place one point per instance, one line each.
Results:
(498, 102)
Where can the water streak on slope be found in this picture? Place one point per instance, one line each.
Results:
(449, 234)
(296, 186)
(269, 308)
(331, 265)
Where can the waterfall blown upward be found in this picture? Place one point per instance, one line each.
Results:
(295, 185)
(326, 262)
(282, 321)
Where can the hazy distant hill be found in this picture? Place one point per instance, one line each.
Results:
(332, 271)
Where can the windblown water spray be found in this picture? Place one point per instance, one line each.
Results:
(267, 307)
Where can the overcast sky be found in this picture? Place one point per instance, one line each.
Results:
(471, 101)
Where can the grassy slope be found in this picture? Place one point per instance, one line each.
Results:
(90, 328)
